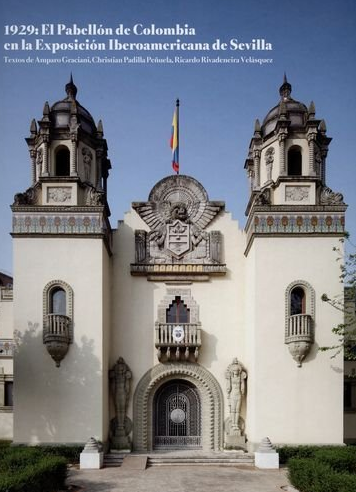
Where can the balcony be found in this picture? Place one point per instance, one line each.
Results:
(6, 347)
(299, 336)
(56, 336)
(177, 341)
(300, 327)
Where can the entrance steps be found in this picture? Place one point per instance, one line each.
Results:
(185, 458)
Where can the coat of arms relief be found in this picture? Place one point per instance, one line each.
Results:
(178, 212)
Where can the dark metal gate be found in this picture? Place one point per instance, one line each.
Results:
(177, 421)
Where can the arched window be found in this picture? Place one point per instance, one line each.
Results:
(294, 161)
(177, 312)
(58, 301)
(62, 167)
(297, 301)
(300, 317)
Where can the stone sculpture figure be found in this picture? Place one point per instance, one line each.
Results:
(235, 387)
(120, 378)
(87, 158)
(269, 158)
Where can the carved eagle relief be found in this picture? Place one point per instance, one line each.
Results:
(177, 212)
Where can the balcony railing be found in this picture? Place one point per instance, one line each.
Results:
(300, 327)
(57, 324)
(182, 339)
(6, 347)
(57, 336)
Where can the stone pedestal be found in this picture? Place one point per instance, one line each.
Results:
(266, 456)
(235, 442)
(92, 457)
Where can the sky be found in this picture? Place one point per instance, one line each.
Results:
(313, 42)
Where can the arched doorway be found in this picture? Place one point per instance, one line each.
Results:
(194, 376)
(177, 416)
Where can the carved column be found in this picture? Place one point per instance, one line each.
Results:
(250, 179)
(256, 167)
(73, 156)
(311, 138)
(282, 154)
(324, 153)
(45, 156)
(98, 180)
(33, 165)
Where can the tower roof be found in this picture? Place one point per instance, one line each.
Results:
(61, 111)
(295, 111)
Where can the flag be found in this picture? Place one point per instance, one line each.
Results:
(175, 139)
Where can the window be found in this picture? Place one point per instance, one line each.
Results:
(297, 301)
(294, 161)
(62, 162)
(58, 301)
(178, 312)
(8, 394)
(299, 319)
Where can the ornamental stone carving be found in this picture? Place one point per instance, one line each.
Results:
(236, 388)
(297, 193)
(120, 382)
(39, 159)
(269, 158)
(263, 198)
(177, 212)
(59, 195)
(87, 159)
(26, 198)
(329, 197)
(94, 197)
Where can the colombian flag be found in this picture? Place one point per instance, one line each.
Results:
(175, 140)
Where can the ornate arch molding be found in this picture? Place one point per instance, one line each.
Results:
(309, 293)
(69, 302)
(186, 297)
(211, 400)
(299, 328)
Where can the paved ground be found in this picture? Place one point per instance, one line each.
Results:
(178, 479)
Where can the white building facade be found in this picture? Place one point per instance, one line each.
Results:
(177, 329)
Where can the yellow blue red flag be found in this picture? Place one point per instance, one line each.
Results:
(175, 139)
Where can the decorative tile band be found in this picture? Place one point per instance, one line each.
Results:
(297, 224)
(293, 224)
(6, 348)
(51, 223)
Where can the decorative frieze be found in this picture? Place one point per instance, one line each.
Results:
(58, 223)
(61, 194)
(276, 221)
(297, 193)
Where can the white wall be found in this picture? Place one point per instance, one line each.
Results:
(64, 404)
(291, 404)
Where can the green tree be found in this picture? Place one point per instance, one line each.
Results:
(346, 331)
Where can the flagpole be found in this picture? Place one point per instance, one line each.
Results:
(177, 106)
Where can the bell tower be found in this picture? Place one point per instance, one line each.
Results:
(294, 223)
(69, 164)
(62, 254)
(287, 156)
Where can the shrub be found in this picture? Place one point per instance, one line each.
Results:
(339, 459)
(71, 453)
(30, 470)
(313, 475)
